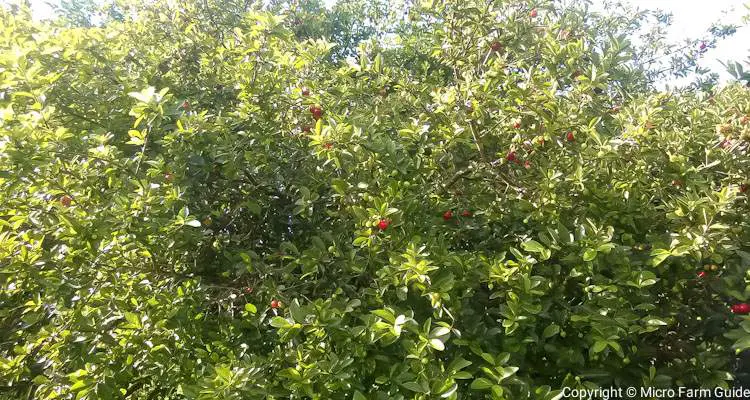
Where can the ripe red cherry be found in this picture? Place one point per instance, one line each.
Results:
(448, 215)
(275, 303)
(533, 13)
(466, 213)
(740, 308)
(511, 156)
(570, 137)
(496, 46)
(306, 129)
(65, 201)
(305, 91)
(702, 274)
(185, 105)
(517, 125)
(743, 188)
(383, 224)
(316, 112)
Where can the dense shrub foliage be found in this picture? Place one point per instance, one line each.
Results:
(454, 199)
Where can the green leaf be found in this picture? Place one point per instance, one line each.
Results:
(551, 330)
(599, 346)
(437, 344)
(659, 255)
(480, 384)
(280, 322)
(251, 308)
(589, 254)
(413, 386)
(194, 223)
(533, 246)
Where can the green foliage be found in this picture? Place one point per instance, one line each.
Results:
(175, 224)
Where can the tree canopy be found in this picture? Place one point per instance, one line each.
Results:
(226, 199)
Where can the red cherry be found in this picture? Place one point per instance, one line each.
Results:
(527, 164)
(570, 137)
(496, 46)
(305, 91)
(448, 215)
(517, 125)
(185, 105)
(702, 274)
(511, 156)
(740, 309)
(316, 112)
(743, 188)
(306, 129)
(383, 224)
(65, 201)
(533, 13)
(275, 303)
(248, 290)
(466, 213)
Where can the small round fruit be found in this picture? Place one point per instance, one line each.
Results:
(185, 105)
(305, 91)
(527, 164)
(316, 112)
(533, 13)
(517, 125)
(740, 309)
(248, 290)
(511, 156)
(328, 146)
(570, 137)
(306, 129)
(383, 224)
(702, 274)
(496, 46)
(448, 215)
(714, 267)
(65, 201)
(275, 303)
(466, 213)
